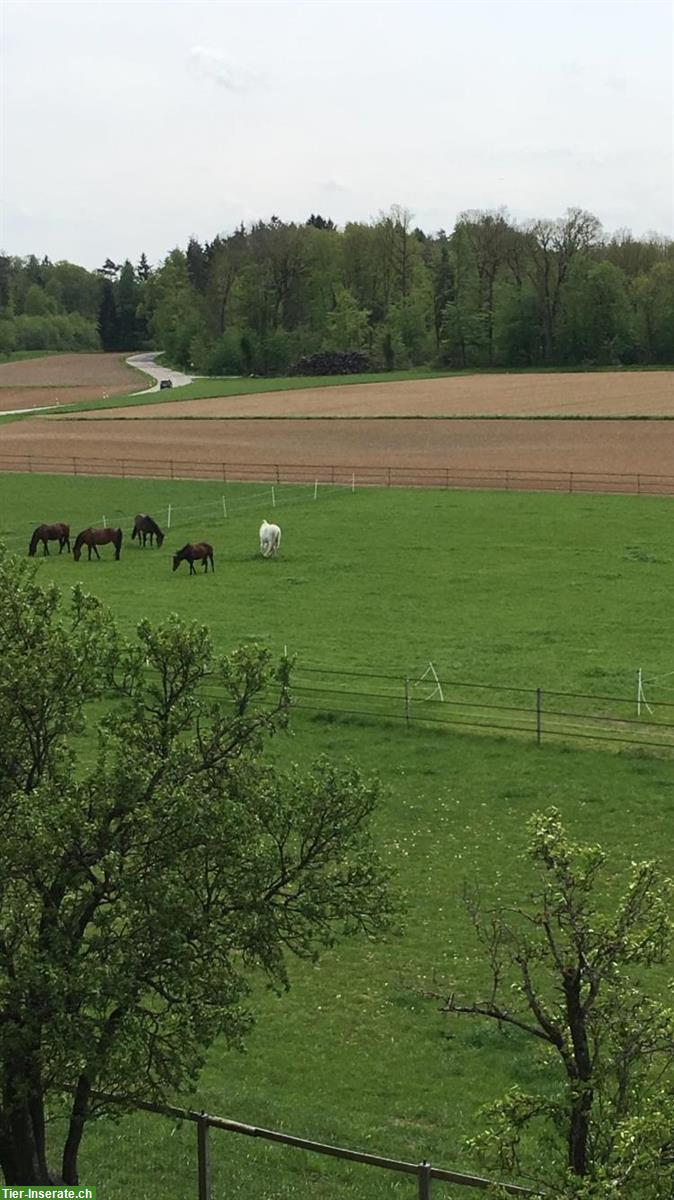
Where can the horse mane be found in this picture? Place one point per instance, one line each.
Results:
(80, 537)
(34, 541)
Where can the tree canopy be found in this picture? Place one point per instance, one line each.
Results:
(568, 968)
(493, 292)
(147, 876)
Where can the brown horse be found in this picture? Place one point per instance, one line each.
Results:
(144, 527)
(50, 533)
(191, 554)
(91, 538)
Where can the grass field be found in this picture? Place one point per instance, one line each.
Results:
(543, 590)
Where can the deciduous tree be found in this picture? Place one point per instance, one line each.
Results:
(568, 968)
(140, 892)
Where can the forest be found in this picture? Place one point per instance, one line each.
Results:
(379, 295)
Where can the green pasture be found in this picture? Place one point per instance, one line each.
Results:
(568, 592)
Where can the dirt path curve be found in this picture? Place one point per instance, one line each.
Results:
(147, 361)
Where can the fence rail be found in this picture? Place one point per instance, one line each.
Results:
(449, 477)
(539, 714)
(423, 1171)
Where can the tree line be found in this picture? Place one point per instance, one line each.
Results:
(493, 293)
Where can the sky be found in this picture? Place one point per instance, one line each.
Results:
(129, 126)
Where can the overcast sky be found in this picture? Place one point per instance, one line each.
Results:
(129, 125)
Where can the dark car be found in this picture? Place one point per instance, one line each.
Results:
(165, 383)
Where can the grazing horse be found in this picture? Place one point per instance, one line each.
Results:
(191, 554)
(144, 527)
(270, 539)
(50, 533)
(91, 538)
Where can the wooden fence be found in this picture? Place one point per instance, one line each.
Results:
(361, 475)
(424, 1172)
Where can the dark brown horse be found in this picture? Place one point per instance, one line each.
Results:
(50, 533)
(91, 538)
(145, 527)
(202, 552)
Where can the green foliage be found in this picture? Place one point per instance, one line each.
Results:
(492, 293)
(347, 323)
(563, 971)
(141, 892)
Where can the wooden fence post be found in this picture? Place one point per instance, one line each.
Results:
(424, 1177)
(203, 1163)
(539, 714)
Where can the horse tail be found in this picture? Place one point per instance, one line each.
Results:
(33, 542)
(118, 541)
(66, 536)
(278, 536)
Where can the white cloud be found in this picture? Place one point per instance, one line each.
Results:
(215, 65)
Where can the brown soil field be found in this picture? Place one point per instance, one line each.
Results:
(602, 394)
(65, 378)
(197, 449)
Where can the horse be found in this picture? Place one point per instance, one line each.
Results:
(144, 527)
(91, 538)
(50, 533)
(191, 554)
(270, 539)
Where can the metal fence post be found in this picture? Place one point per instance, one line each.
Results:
(203, 1160)
(424, 1176)
(538, 716)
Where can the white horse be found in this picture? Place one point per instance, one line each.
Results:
(270, 539)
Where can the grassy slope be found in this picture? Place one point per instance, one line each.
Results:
(560, 590)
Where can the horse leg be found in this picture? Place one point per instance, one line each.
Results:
(45, 549)
(95, 550)
(192, 571)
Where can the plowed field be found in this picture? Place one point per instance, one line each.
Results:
(186, 447)
(599, 394)
(65, 378)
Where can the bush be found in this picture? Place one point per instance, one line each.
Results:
(7, 337)
(333, 362)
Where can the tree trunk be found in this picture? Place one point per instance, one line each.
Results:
(78, 1116)
(22, 1127)
(579, 1133)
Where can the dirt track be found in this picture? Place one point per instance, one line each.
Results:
(65, 378)
(613, 393)
(148, 447)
